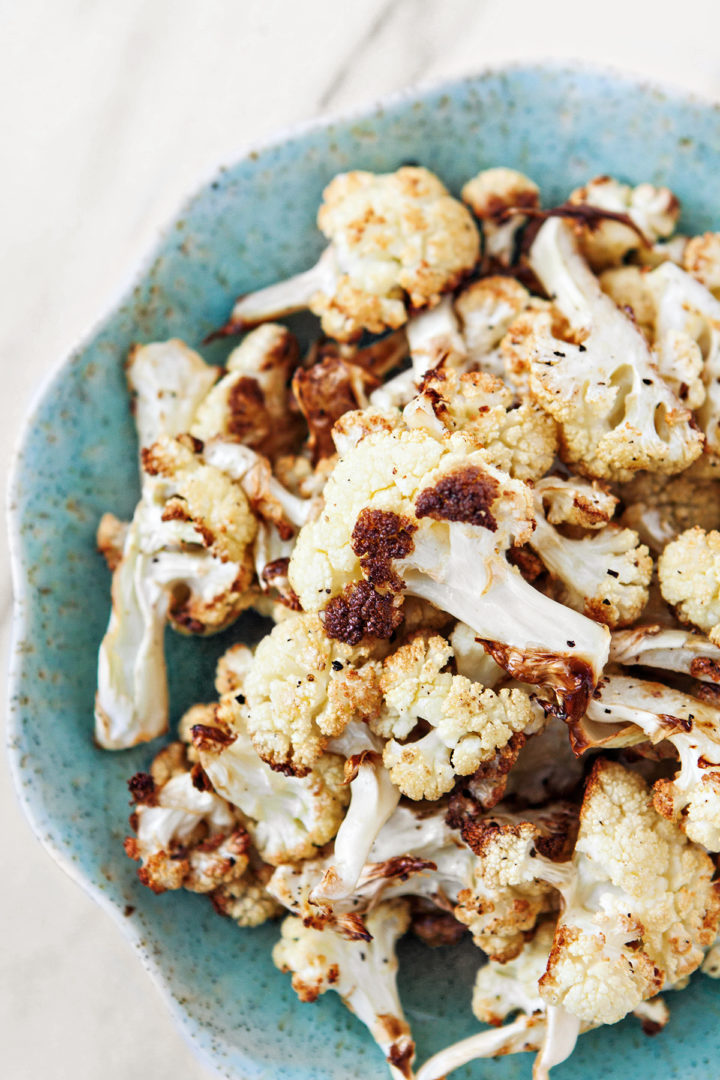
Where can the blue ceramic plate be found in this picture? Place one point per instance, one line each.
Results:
(253, 224)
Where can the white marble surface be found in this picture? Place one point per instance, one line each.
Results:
(111, 112)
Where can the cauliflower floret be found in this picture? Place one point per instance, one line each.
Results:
(521, 440)
(303, 689)
(160, 569)
(462, 332)
(688, 314)
(616, 414)
(639, 906)
(288, 817)
(247, 902)
(689, 570)
(626, 711)
(406, 513)
(486, 310)
(701, 258)
(491, 194)
(680, 320)
(204, 497)
(250, 402)
(397, 241)
(468, 722)
(605, 575)
(506, 897)
(658, 507)
(187, 836)
(304, 701)
(363, 973)
(654, 210)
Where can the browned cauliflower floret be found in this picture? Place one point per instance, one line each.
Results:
(204, 497)
(522, 439)
(468, 723)
(689, 570)
(504, 902)
(250, 403)
(408, 514)
(654, 210)
(574, 501)
(303, 689)
(186, 835)
(626, 711)
(288, 817)
(363, 973)
(398, 241)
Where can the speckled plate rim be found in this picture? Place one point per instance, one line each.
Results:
(31, 807)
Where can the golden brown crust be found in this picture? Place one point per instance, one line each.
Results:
(467, 494)
(378, 537)
(361, 611)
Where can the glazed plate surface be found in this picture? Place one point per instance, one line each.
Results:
(251, 225)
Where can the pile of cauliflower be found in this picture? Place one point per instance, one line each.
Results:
(481, 516)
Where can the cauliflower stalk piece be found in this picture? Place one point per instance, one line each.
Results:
(363, 973)
(468, 722)
(520, 440)
(605, 575)
(398, 241)
(187, 836)
(406, 513)
(689, 572)
(185, 556)
(667, 649)
(599, 381)
(638, 709)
